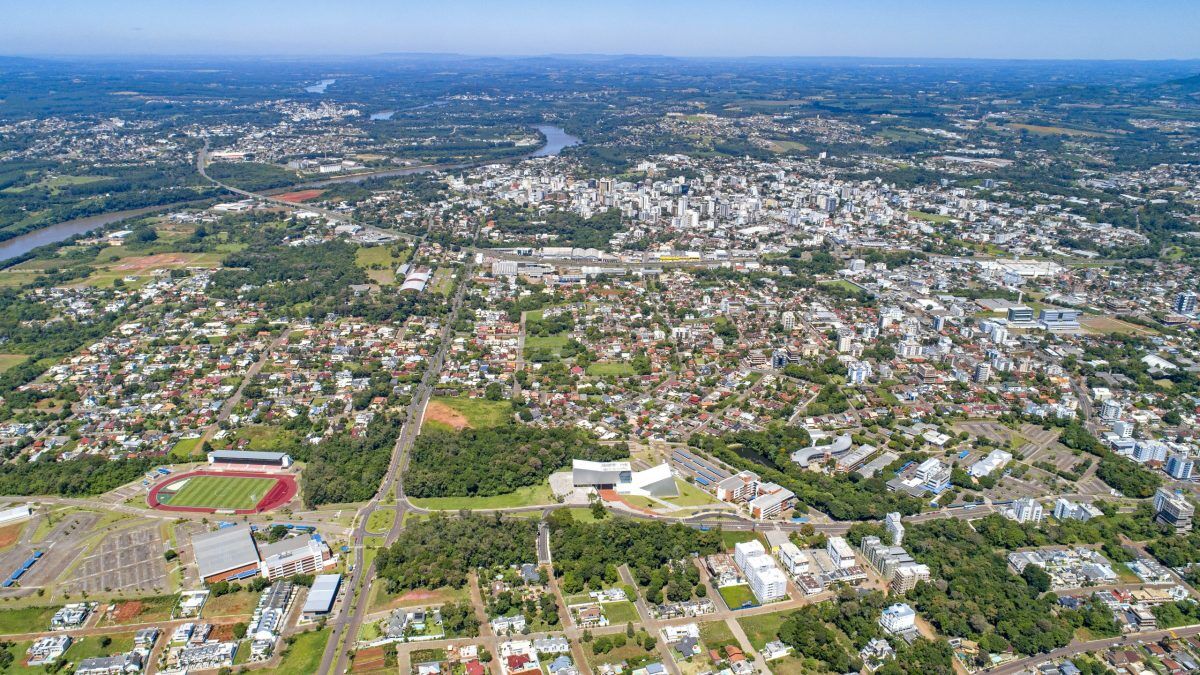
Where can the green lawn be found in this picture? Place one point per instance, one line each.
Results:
(480, 413)
(843, 284)
(25, 620)
(736, 596)
(606, 369)
(182, 450)
(11, 361)
(87, 647)
(763, 628)
(303, 656)
(222, 492)
(381, 520)
(552, 343)
(621, 613)
(731, 538)
(535, 495)
(690, 495)
(716, 634)
(929, 217)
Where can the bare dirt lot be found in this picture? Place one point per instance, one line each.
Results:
(145, 262)
(440, 412)
(300, 196)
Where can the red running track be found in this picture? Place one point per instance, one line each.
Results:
(281, 493)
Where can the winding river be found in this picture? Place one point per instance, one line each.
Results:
(556, 140)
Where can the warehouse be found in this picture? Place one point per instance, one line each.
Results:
(320, 598)
(228, 553)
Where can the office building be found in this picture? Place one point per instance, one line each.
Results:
(1065, 509)
(933, 475)
(1024, 510)
(1059, 319)
(1173, 509)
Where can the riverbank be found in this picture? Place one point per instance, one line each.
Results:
(21, 245)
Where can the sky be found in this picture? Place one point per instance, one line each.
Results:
(1028, 29)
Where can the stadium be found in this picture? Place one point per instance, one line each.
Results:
(238, 483)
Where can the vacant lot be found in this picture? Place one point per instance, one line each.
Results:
(534, 495)
(604, 369)
(458, 412)
(763, 628)
(222, 492)
(11, 361)
(737, 596)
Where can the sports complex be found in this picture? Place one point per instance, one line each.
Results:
(238, 483)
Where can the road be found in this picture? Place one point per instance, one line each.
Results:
(1074, 648)
(346, 626)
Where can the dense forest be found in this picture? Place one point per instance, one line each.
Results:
(498, 460)
(571, 229)
(441, 550)
(344, 468)
(976, 596)
(586, 555)
(768, 453)
(830, 634)
(82, 477)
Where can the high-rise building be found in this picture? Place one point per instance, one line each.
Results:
(788, 319)
(1065, 509)
(858, 372)
(1185, 302)
(899, 618)
(983, 372)
(1171, 508)
(1024, 510)
(1110, 410)
(840, 553)
(1179, 466)
(894, 527)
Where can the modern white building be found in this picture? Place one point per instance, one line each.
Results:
(766, 580)
(1065, 509)
(840, 553)
(792, 558)
(995, 460)
(933, 475)
(1024, 510)
(657, 481)
(899, 618)
(895, 528)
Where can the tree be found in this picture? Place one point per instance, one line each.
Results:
(1036, 577)
(239, 630)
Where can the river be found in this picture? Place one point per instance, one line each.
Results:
(556, 140)
(320, 87)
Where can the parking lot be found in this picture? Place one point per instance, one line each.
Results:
(128, 560)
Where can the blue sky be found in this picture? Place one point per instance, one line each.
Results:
(1110, 29)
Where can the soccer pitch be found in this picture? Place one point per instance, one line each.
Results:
(222, 492)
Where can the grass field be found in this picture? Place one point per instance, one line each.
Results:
(534, 495)
(381, 520)
(621, 613)
(610, 369)
(25, 620)
(731, 538)
(763, 628)
(550, 343)
(736, 596)
(303, 656)
(183, 449)
(222, 492)
(690, 495)
(842, 283)
(929, 217)
(787, 146)
(716, 634)
(11, 361)
(479, 413)
(1042, 130)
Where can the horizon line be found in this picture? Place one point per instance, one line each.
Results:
(581, 55)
